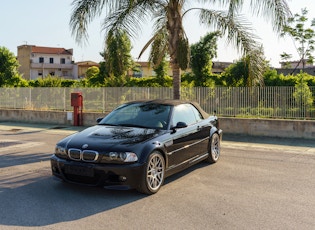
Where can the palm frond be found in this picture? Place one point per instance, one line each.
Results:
(256, 67)
(275, 11)
(159, 48)
(241, 35)
(129, 16)
(237, 28)
(235, 6)
(151, 40)
(84, 11)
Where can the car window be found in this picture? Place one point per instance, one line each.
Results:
(197, 113)
(184, 113)
(139, 114)
(123, 113)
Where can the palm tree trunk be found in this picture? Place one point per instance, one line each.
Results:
(176, 81)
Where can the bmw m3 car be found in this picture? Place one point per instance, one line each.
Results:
(138, 145)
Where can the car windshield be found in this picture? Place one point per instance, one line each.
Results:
(145, 115)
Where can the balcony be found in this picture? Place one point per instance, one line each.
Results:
(51, 66)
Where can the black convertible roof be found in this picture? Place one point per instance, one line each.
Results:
(173, 103)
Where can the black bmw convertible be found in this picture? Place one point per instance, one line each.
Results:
(138, 145)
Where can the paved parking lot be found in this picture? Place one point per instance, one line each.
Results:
(259, 183)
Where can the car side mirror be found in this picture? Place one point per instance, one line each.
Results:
(98, 120)
(180, 125)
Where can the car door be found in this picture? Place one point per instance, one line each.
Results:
(184, 140)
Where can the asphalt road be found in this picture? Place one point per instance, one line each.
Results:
(258, 183)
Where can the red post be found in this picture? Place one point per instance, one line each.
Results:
(77, 103)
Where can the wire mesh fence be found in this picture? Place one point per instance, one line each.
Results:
(258, 102)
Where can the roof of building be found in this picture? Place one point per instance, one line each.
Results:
(143, 63)
(87, 63)
(51, 50)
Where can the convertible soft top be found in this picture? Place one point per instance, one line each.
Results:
(174, 103)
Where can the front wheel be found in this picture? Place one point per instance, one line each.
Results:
(214, 148)
(153, 176)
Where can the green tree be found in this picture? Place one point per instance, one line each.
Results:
(202, 54)
(303, 95)
(305, 37)
(93, 76)
(117, 55)
(236, 74)
(242, 73)
(9, 75)
(169, 33)
(161, 71)
(286, 59)
(48, 81)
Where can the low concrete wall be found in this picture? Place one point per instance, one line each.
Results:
(253, 127)
(46, 117)
(269, 127)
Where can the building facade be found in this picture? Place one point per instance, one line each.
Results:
(38, 62)
(83, 66)
(295, 67)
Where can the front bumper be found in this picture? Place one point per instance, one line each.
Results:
(97, 174)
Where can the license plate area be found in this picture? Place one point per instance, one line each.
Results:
(79, 170)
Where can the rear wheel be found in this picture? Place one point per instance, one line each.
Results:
(214, 148)
(153, 176)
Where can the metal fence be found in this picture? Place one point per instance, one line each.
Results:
(259, 102)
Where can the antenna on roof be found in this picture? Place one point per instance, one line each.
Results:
(25, 42)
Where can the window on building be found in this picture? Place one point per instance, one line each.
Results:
(52, 73)
(62, 61)
(137, 74)
(41, 60)
(40, 73)
(51, 60)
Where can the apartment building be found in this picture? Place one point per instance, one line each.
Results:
(38, 61)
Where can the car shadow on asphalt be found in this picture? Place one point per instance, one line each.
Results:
(185, 172)
(42, 200)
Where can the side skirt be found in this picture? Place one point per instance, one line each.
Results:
(185, 164)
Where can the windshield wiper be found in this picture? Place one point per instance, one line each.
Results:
(107, 124)
(132, 125)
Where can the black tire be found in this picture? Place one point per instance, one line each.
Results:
(153, 175)
(214, 148)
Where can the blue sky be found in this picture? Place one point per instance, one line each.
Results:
(46, 23)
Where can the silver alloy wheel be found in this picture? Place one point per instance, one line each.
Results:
(215, 147)
(155, 172)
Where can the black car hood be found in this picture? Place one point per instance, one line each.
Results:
(99, 136)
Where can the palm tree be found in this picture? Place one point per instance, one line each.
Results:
(168, 33)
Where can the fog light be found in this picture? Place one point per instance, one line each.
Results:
(122, 178)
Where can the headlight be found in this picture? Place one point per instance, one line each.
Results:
(60, 150)
(123, 156)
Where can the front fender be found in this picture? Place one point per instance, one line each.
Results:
(151, 146)
(216, 130)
